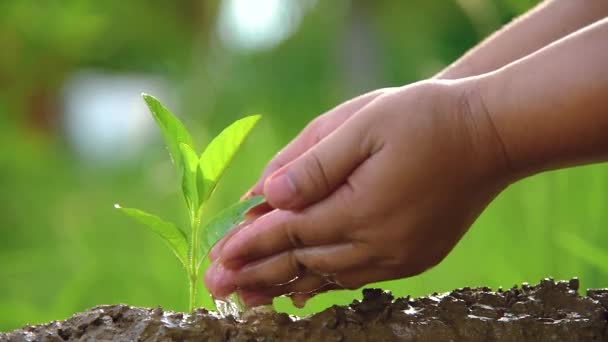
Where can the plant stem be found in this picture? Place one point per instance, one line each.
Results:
(192, 304)
(193, 271)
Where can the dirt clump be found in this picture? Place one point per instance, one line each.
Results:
(549, 311)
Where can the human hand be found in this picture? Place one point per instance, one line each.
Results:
(313, 133)
(385, 195)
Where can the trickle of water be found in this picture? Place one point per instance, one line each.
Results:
(230, 305)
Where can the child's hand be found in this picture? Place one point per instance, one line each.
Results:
(380, 188)
(313, 133)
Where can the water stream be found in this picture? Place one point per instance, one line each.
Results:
(230, 305)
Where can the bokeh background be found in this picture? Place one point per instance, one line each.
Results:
(75, 138)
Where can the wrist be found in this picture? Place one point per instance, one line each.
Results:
(493, 158)
(548, 108)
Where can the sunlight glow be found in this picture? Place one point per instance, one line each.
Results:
(105, 119)
(259, 24)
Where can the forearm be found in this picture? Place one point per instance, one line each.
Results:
(548, 22)
(550, 109)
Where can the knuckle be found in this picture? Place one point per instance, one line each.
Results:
(346, 194)
(350, 211)
(314, 131)
(251, 280)
(314, 175)
(305, 284)
(295, 266)
(318, 265)
(290, 227)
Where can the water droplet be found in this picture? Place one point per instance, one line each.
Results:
(228, 306)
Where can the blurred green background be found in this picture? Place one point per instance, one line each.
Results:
(75, 138)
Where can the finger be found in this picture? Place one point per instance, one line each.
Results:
(322, 169)
(354, 279)
(310, 285)
(250, 216)
(327, 222)
(253, 298)
(300, 290)
(311, 135)
(216, 250)
(218, 280)
(221, 281)
(285, 267)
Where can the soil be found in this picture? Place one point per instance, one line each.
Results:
(549, 311)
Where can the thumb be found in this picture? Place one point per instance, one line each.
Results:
(319, 171)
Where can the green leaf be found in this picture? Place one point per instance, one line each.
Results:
(173, 236)
(189, 178)
(220, 152)
(203, 185)
(171, 128)
(225, 220)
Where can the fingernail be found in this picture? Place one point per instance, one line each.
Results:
(279, 188)
(255, 190)
(247, 195)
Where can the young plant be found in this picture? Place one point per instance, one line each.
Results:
(199, 178)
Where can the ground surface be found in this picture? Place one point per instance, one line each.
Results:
(549, 311)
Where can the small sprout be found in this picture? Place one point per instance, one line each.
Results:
(200, 176)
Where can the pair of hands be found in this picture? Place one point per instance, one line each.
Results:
(380, 187)
(383, 186)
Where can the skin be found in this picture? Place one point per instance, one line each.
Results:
(542, 25)
(384, 185)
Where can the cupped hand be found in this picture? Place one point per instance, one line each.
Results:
(314, 132)
(382, 191)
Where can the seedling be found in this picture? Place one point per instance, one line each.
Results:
(199, 178)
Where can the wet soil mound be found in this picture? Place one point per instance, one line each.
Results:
(550, 311)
